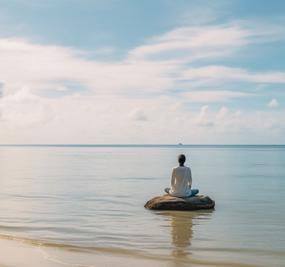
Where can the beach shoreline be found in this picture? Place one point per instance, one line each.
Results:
(32, 255)
(15, 253)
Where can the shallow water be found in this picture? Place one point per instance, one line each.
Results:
(90, 198)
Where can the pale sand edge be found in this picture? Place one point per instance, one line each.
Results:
(15, 253)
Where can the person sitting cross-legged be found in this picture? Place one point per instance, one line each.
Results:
(181, 181)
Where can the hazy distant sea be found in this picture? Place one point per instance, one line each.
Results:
(92, 198)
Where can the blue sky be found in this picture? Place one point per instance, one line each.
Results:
(155, 71)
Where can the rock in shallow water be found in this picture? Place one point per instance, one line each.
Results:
(168, 202)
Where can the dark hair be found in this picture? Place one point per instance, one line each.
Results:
(181, 159)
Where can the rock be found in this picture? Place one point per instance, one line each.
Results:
(168, 202)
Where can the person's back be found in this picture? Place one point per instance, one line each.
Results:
(181, 180)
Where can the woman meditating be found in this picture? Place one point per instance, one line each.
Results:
(181, 180)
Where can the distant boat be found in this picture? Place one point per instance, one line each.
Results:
(180, 144)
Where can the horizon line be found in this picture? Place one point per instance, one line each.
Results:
(138, 145)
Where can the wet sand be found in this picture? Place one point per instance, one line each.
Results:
(17, 253)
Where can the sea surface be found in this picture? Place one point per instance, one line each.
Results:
(91, 199)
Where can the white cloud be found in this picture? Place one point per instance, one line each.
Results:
(222, 113)
(273, 103)
(231, 123)
(200, 42)
(131, 100)
(203, 118)
(138, 114)
(192, 43)
(40, 67)
(213, 96)
(24, 109)
(220, 74)
(28, 118)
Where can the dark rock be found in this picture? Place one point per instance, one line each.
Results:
(168, 202)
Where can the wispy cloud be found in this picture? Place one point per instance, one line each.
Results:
(213, 96)
(141, 89)
(221, 74)
(194, 42)
(24, 109)
(273, 103)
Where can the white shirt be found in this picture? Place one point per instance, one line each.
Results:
(181, 182)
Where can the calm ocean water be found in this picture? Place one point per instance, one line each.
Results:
(92, 197)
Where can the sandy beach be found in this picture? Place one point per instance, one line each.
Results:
(18, 253)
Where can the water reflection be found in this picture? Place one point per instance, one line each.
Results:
(181, 223)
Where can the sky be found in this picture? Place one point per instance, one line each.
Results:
(142, 72)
